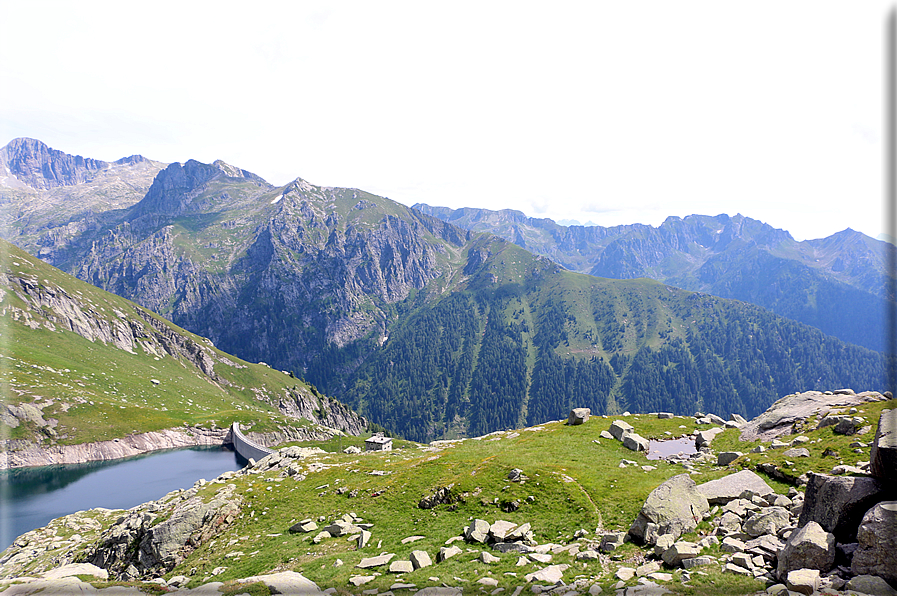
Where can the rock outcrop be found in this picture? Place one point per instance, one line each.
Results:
(135, 546)
(786, 414)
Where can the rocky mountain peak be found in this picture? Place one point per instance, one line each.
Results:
(35, 164)
(175, 188)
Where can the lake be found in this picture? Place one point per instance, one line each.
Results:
(31, 497)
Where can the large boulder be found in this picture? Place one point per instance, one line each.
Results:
(729, 488)
(809, 547)
(884, 448)
(675, 507)
(877, 537)
(579, 416)
(838, 503)
(618, 428)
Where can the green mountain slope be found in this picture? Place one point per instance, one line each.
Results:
(81, 365)
(836, 284)
(522, 341)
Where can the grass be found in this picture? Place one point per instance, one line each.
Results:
(575, 483)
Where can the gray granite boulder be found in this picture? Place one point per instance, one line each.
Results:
(285, 582)
(802, 581)
(618, 428)
(877, 537)
(420, 558)
(635, 442)
(870, 584)
(728, 488)
(477, 531)
(809, 547)
(727, 457)
(680, 551)
(675, 507)
(579, 416)
(884, 448)
(838, 503)
(769, 520)
(705, 437)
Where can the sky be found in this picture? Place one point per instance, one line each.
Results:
(603, 111)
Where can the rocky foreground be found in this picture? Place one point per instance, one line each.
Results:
(831, 533)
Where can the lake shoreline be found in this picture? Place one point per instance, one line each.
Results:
(129, 446)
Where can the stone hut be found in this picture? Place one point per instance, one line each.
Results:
(378, 443)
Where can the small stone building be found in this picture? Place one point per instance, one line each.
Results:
(378, 443)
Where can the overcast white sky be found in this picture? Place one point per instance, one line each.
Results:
(609, 111)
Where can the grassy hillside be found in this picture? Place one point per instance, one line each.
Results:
(102, 367)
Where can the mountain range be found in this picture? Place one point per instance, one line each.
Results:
(837, 284)
(427, 328)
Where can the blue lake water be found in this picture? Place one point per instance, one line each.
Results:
(31, 497)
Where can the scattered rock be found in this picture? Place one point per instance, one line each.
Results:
(477, 531)
(378, 561)
(635, 442)
(286, 582)
(442, 496)
(487, 557)
(447, 552)
(705, 437)
(618, 428)
(727, 457)
(401, 567)
(551, 574)
(305, 526)
(767, 521)
(680, 551)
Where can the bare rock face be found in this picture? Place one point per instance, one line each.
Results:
(40, 167)
(810, 547)
(877, 536)
(675, 507)
(838, 503)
